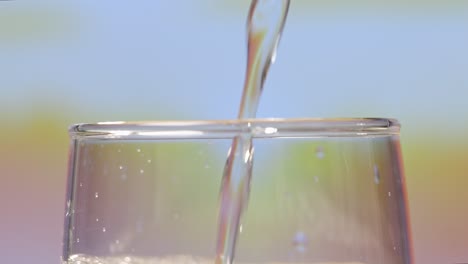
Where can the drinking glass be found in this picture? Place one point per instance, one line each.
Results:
(322, 191)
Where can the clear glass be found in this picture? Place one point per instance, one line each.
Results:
(322, 191)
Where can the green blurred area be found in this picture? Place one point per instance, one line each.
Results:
(34, 154)
(23, 24)
(435, 167)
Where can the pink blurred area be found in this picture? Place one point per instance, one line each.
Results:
(33, 162)
(85, 62)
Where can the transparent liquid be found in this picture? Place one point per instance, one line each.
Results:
(265, 22)
(312, 200)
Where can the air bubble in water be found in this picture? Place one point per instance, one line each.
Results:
(116, 247)
(389, 194)
(149, 161)
(376, 175)
(97, 219)
(96, 195)
(138, 150)
(123, 177)
(142, 171)
(77, 240)
(120, 167)
(300, 241)
(319, 152)
(103, 229)
(316, 179)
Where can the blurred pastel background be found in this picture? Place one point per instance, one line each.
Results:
(85, 61)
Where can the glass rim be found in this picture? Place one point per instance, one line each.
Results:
(257, 128)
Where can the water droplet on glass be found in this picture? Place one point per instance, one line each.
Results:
(142, 171)
(300, 241)
(104, 229)
(316, 178)
(138, 150)
(96, 195)
(376, 175)
(389, 194)
(319, 153)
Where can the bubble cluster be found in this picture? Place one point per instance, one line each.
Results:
(177, 259)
